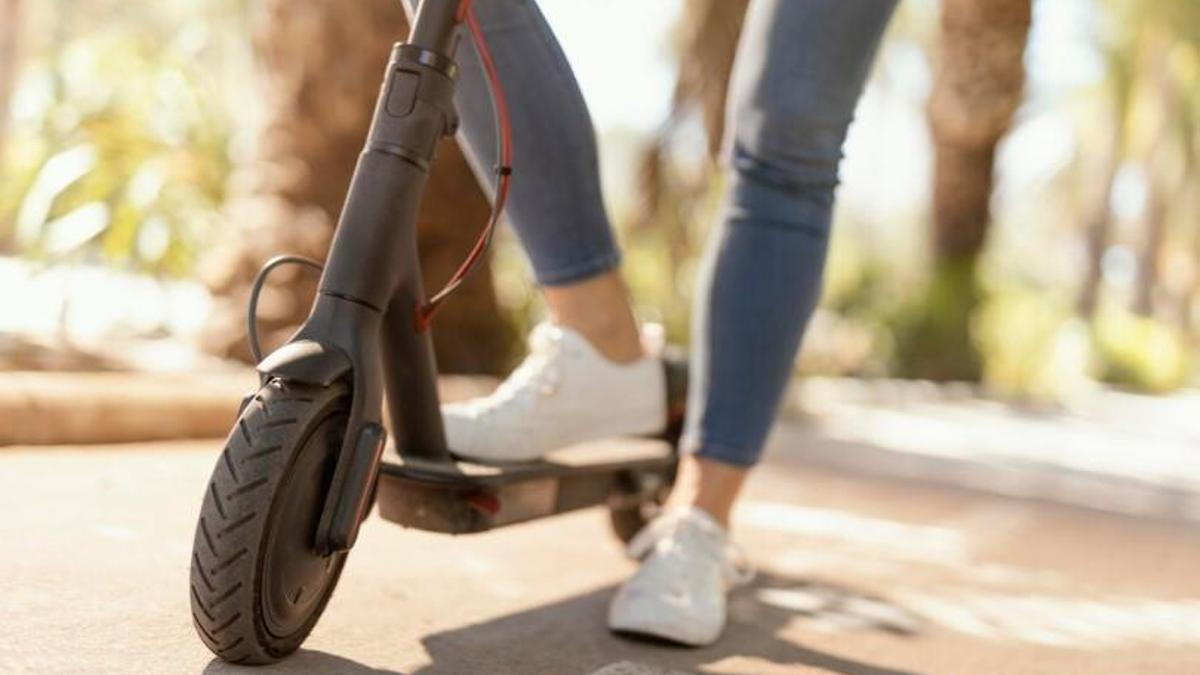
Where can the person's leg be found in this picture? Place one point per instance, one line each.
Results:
(800, 69)
(554, 203)
(586, 375)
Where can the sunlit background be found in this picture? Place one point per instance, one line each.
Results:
(129, 127)
(988, 460)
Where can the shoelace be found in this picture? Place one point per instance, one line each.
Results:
(538, 373)
(735, 565)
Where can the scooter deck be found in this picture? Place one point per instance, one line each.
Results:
(462, 497)
(602, 456)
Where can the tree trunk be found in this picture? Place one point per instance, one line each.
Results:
(1191, 306)
(669, 200)
(707, 40)
(1154, 222)
(1098, 215)
(1154, 215)
(977, 86)
(323, 62)
(10, 16)
(1097, 226)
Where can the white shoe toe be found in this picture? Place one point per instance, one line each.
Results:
(679, 592)
(671, 616)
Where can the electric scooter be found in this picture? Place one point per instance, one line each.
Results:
(304, 463)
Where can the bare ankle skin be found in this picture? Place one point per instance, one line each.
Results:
(598, 308)
(709, 485)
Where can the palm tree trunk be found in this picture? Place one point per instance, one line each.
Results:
(977, 86)
(10, 16)
(1154, 221)
(1191, 304)
(1097, 228)
(668, 200)
(324, 61)
(707, 39)
(1098, 215)
(1158, 157)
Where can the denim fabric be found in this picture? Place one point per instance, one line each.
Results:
(801, 66)
(554, 199)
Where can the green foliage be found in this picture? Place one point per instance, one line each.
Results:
(1032, 348)
(932, 333)
(123, 157)
(857, 284)
(851, 335)
(1022, 341)
(1139, 353)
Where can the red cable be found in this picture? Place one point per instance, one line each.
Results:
(424, 313)
(460, 14)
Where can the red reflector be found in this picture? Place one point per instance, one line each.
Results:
(484, 502)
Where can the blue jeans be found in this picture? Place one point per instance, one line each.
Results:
(800, 69)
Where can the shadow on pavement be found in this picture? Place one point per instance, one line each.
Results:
(303, 661)
(569, 636)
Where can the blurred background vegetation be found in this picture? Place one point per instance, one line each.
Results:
(1020, 205)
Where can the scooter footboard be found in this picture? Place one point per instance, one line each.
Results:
(463, 498)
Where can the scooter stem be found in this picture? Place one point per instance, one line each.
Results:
(362, 320)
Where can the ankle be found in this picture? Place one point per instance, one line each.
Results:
(708, 485)
(718, 513)
(616, 341)
(598, 309)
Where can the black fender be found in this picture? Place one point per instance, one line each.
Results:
(306, 361)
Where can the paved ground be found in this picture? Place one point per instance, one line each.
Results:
(860, 575)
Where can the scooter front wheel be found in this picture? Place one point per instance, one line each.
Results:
(258, 585)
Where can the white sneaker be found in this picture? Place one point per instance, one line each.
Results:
(678, 594)
(565, 392)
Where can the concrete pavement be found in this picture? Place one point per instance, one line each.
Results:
(859, 575)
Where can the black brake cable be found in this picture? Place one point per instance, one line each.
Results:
(256, 288)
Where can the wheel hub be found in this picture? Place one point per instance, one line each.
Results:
(295, 576)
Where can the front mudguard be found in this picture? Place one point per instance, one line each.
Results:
(340, 341)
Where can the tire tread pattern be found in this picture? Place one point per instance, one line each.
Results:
(226, 550)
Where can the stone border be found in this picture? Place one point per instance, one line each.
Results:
(62, 408)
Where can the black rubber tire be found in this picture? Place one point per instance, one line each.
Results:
(627, 521)
(278, 457)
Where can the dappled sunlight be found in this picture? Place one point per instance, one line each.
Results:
(936, 576)
(831, 609)
(918, 542)
(1081, 622)
(1100, 448)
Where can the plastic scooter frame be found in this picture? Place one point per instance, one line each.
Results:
(363, 328)
(361, 325)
